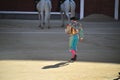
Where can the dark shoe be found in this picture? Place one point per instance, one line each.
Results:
(73, 59)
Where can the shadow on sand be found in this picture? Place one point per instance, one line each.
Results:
(61, 64)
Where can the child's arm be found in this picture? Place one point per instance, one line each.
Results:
(81, 33)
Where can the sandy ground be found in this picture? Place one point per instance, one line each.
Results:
(57, 70)
(29, 53)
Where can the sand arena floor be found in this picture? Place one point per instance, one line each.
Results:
(29, 53)
(57, 70)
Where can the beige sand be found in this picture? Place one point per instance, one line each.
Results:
(57, 70)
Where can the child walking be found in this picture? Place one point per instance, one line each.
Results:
(75, 31)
